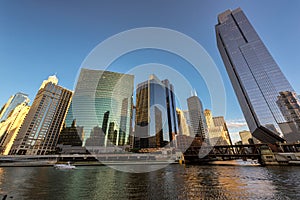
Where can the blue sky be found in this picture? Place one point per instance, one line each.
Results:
(40, 38)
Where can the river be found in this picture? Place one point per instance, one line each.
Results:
(172, 182)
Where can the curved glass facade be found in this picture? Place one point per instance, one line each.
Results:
(103, 99)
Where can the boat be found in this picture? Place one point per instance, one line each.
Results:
(64, 166)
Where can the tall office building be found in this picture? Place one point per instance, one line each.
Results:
(217, 130)
(102, 105)
(219, 121)
(40, 130)
(155, 120)
(197, 118)
(183, 128)
(11, 126)
(209, 119)
(12, 103)
(188, 121)
(254, 74)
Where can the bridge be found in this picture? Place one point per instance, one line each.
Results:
(230, 152)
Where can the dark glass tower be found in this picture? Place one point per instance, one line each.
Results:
(155, 120)
(254, 74)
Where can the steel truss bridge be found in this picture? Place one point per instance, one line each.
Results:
(229, 152)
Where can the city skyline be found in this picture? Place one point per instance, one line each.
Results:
(149, 99)
(199, 25)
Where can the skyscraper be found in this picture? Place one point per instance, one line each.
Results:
(11, 126)
(183, 128)
(12, 103)
(197, 118)
(254, 74)
(102, 98)
(40, 130)
(217, 130)
(156, 119)
(219, 121)
(188, 121)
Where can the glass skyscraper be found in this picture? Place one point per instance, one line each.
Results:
(156, 119)
(254, 74)
(102, 105)
(12, 103)
(197, 118)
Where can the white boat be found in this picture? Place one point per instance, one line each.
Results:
(64, 166)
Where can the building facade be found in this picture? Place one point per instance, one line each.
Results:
(155, 119)
(247, 138)
(197, 118)
(12, 103)
(102, 105)
(71, 135)
(218, 133)
(219, 121)
(40, 130)
(11, 126)
(256, 78)
(183, 128)
(289, 105)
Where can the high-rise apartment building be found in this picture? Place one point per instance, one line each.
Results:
(155, 119)
(40, 130)
(102, 105)
(12, 103)
(254, 74)
(197, 118)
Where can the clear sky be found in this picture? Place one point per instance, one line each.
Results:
(41, 38)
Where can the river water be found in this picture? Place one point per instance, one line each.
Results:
(171, 182)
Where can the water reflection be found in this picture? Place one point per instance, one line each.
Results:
(172, 182)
